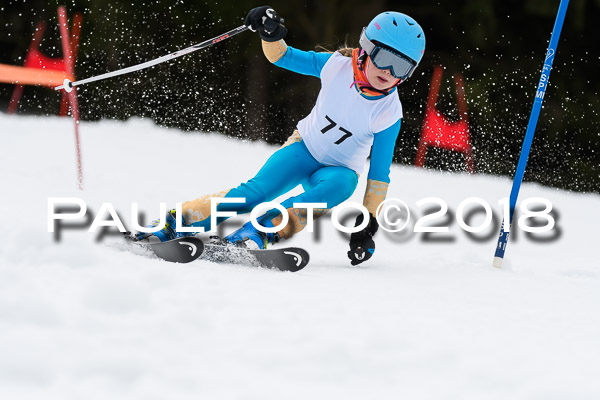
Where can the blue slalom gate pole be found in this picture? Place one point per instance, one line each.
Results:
(533, 118)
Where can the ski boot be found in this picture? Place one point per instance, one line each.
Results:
(250, 237)
(166, 233)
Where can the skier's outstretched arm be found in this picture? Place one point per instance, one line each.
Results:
(290, 58)
(362, 245)
(382, 155)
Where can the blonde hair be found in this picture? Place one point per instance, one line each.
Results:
(344, 50)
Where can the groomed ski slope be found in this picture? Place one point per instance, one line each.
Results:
(85, 320)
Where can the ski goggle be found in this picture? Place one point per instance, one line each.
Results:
(400, 65)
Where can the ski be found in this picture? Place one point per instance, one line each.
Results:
(187, 249)
(286, 259)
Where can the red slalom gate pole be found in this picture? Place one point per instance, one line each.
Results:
(70, 67)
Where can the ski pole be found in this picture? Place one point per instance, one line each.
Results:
(68, 85)
(533, 118)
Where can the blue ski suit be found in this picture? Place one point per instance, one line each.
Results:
(293, 165)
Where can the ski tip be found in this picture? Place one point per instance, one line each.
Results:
(290, 259)
(180, 250)
(300, 256)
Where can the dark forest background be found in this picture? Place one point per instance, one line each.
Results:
(498, 45)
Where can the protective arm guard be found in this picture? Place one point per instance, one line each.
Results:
(374, 195)
(274, 50)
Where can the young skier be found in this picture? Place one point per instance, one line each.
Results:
(357, 112)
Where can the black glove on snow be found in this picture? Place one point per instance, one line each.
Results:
(268, 24)
(362, 245)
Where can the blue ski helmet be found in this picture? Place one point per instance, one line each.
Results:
(397, 32)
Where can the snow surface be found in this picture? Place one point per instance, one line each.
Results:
(85, 320)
